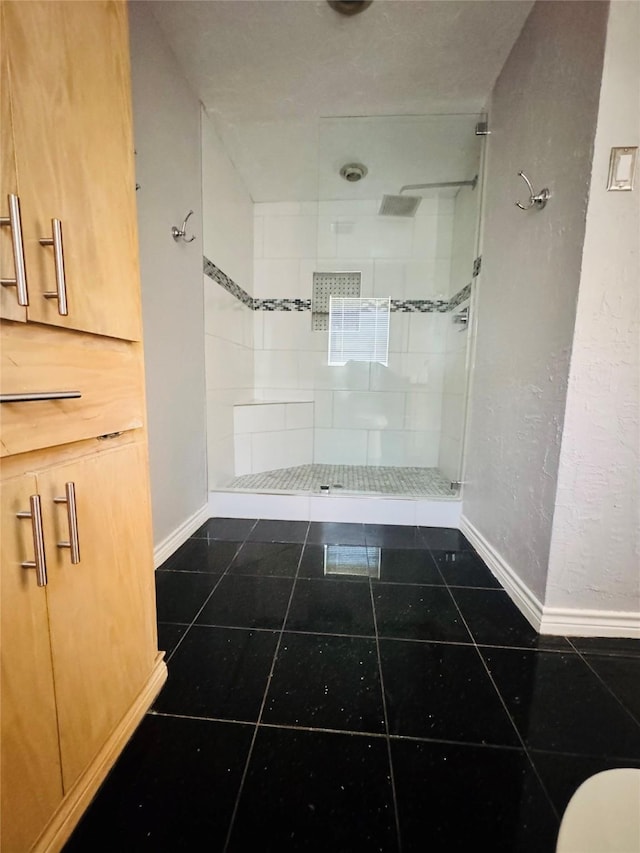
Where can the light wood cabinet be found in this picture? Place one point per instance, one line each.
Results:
(101, 610)
(77, 653)
(10, 309)
(79, 659)
(31, 773)
(66, 73)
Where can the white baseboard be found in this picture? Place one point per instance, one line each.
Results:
(163, 550)
(559, 621)
(524, 599)
(590, 623)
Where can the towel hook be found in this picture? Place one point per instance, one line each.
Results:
(180, 233)
(535, 199)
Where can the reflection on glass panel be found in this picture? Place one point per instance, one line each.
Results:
(355, 560)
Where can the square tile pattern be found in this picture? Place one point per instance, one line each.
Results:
(358, 702)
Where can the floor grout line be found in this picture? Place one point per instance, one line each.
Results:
(620, 702)
(570, 649)
(396, 811)
(264, 699)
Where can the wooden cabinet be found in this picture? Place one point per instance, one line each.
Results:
(90, 628)
(79, 659)
(101, 610)
(67, 118)
(30, 769)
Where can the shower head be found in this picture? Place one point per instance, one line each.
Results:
(406, 205)
(399, 205)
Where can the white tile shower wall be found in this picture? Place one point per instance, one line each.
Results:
(357, 404)
(465, 237)
(228, 237)
(272, 435)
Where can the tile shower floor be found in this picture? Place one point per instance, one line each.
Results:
(349, 479)
(381, 693)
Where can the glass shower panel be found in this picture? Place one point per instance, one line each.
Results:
(398, 428)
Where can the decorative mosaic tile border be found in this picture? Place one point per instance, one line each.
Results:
(460, 296)
(420, 306)
(215, 273)
(281, 305)
(405, 306)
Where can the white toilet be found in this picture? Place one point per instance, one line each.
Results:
(603, 816)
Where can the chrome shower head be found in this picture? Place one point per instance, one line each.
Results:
(399, 205)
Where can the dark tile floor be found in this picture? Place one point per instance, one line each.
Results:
(381, 693)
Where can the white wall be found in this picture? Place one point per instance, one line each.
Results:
(542, 119)
(364, 414)
(228, 243)
(167, 138)
(595, 551)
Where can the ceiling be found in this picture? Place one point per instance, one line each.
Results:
(267, 71)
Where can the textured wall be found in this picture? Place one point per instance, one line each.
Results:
(542, 118)
(167, 137)
(595, 553)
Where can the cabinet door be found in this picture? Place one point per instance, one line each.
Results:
(30, 771)
(71, 108)
(101, 610)
(9, 307)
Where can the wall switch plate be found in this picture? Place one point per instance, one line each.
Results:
(622, 168)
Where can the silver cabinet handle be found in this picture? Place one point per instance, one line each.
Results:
(14, 221)
(40, 562)
(60, 293)
(72, 515)
(35, 396)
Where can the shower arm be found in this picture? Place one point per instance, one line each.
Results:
(471, 184)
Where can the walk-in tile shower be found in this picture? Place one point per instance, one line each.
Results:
(388, 418)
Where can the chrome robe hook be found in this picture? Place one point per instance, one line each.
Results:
(535, 199)
(180, 233)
